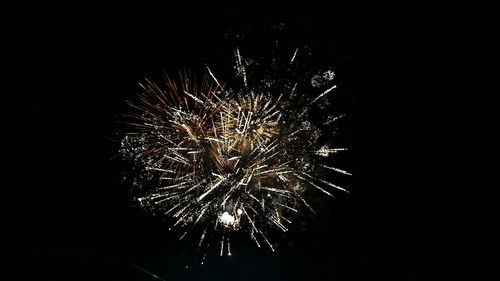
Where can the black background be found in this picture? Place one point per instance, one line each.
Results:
(423, 123)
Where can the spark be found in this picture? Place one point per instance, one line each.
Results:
(146, 271)
(336, 170)
(227, 219)
(241, 67)
(211, 189)
(229, 246)
(294, 55)
(222, 246)
(324, 93)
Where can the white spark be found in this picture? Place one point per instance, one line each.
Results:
(227, 219)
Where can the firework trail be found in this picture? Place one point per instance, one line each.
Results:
(232, 156)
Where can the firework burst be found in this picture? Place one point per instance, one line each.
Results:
(231, 157)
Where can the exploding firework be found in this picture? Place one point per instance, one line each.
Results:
(232, 157)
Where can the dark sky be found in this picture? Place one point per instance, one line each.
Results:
(423, 122)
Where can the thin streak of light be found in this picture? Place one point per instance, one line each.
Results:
(145, 271)
(336, 170)
(294, 54)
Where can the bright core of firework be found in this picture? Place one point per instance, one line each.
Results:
(230, 158)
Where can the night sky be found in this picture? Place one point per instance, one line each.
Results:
(422, 123)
